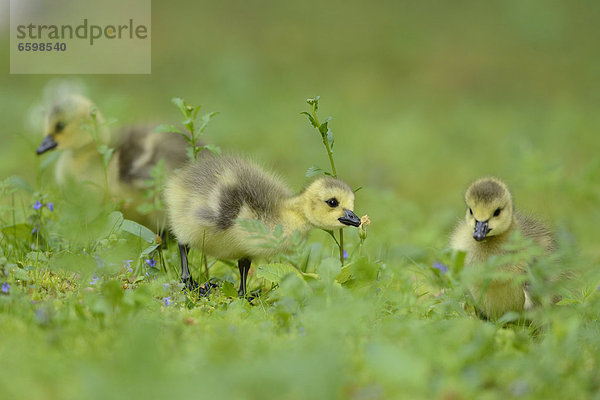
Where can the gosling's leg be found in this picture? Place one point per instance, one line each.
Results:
(244, 267)
(186, 277)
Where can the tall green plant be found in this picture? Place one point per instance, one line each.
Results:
(328, 142)
(194, 128)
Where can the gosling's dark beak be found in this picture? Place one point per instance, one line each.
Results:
(47, 144)
(349, 218)
(481, 230)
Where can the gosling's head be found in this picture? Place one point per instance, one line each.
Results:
(329, 204)
(64, 124)
(489, 208)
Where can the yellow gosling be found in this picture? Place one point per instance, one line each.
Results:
(207, 200)
(489, 221)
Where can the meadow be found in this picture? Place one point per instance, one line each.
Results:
(424, 98)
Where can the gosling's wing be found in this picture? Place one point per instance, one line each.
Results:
(536, 230)
(141, 149)
(245, 191)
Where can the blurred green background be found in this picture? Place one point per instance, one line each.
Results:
(425, 97)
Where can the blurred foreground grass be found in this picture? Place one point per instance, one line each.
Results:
(426, 97)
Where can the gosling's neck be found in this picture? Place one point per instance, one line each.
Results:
(293, 217)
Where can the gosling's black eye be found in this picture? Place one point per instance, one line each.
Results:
(332, 202)
(59, 127)
(497, 212)
(471, 211)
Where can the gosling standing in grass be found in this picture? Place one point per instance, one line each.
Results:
(489, 222)
(206, 200)
(69, 129)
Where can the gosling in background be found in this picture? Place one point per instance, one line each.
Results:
(137, 150)
(206, 200)
(488, 224)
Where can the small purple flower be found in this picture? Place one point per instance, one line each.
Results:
(441, 267)
(50, 206)
(151, 262)
(5, 287)
(167, 301)
(94, 280)
(166, 286)
(34, 230)
(37, 205)
(345, 254)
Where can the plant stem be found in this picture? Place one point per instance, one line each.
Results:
(342, 246)
(324, 138)
(334, 174)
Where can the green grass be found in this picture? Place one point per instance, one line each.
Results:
(425, 98)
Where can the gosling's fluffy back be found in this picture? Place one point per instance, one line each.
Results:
(210, 194)
(139, 149)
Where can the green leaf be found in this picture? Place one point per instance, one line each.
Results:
(209, 116)
(329, 269)
(36, 256)
(181, 105)
(344, 274)
(565, 302)
(138, 230)
(19, 231)
(205, 120)
(216, 150)
(166, 128)
(311, 119)
(314, 171)
(20, 274)
(276, 272)
(459, 260)
(253, 226)
(20, 183)
(329, 136)
(315, 103)
(106, 153)
(195, 112)
(510, 316)
(149, 250)
(323, 128)
(229, 290)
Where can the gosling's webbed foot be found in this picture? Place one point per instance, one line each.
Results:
(190, 285)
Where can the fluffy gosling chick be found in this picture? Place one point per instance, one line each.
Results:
(64, 127)
(206, 200)
(137, 150)
(489, 221)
